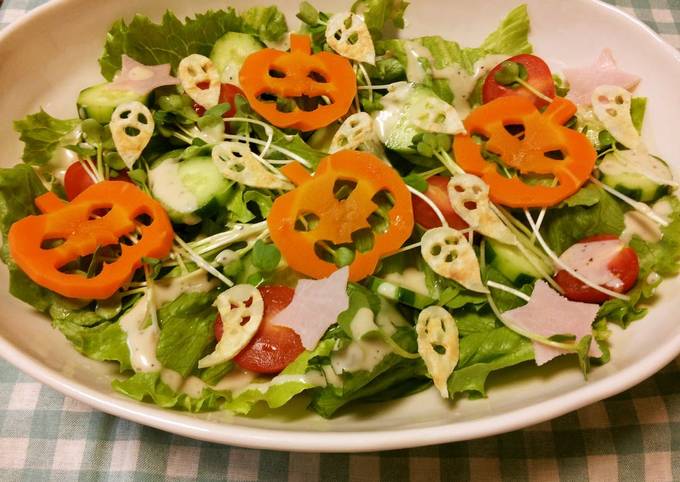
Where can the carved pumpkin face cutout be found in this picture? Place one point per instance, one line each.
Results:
(298, 89)
(112, 214)
(354, 202)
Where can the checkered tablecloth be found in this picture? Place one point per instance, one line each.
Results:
(632, 436)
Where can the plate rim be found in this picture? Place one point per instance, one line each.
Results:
(356, 441)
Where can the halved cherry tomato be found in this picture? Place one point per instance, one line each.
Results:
(538, 76)
(625, 266)
(76, 180)
(273, 347)
(437, 191)
(227, 94)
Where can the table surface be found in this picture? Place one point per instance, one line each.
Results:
(634, 435)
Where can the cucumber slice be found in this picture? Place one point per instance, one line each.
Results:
(510, 261)
(636, 185)
(187, 189)
(99, 101)
(230, 51)
(399, 293)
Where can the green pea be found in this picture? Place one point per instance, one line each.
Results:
(344, 256)
(508, 73)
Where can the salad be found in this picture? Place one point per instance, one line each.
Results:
(240, 214)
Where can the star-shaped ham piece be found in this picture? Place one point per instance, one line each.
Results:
(584, 80)
(141, 78)
(548, 313)
(315, 307)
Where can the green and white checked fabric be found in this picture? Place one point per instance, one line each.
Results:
(632, 436)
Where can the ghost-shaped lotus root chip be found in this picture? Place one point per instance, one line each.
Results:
(438, 345)
(469, 197)
(241, 309)
(348, 35)
(611, 105)
(200, 80)
(357, 132)
(236, 162)
(131, 127)
(449, 254)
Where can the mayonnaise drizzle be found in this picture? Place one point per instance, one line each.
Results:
(142, 340)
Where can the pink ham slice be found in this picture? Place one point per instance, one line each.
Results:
(315, 307)
(141, 78)
(548, 313)
(584, 80)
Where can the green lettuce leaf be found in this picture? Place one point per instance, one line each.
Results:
(565, 225)
(486, 352)
(148, 387)
(166, 42)
(662, 258)
(512, 37)
(104, 341)
(381, 14)
(19, 186)
(187, 331)
(43, 134)
(393, 378)
(268, 23)
(284, 386)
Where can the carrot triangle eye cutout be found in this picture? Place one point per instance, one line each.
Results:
(298, 89)
(83, 229)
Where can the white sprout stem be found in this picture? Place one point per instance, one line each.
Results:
(267, 129)
(270, 167)
(410, 247)
(177, 256)
(376, 87)
(134, 291)
(546, 276)
(220, 240)
(521, 232)
(508, 289)
(367, 79)
(150, 295)
(285, 152)
(357, 104)
(638, 206)
(566, 267)
(539, 221)
(201, 263)
(429, 202)
(449, 163)
(90, 170)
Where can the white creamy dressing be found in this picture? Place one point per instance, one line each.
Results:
(235, 380)
(167, 186)
(226, 257)
(591, 261)
(213, 134)
(142, 340)
(638, 224)
(389, 318)
(461, 82)
(360, 354)
(362, 323)
(653, 278)
(411, 278)
(393, 105)
(192, 386)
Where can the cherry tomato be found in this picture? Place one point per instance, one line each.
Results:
(625, 266)
(76, 180)
(227, 94)
(438, 192)
(273, 347)
(538, 76)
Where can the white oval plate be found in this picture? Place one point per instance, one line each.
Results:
(49, 56)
